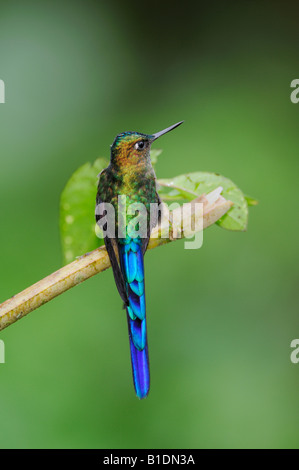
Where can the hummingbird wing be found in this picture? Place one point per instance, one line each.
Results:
(155, 219)
(112, 250)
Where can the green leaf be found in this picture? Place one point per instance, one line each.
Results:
(250, 201)
(77, 222)
(77, 208)
(184, 188)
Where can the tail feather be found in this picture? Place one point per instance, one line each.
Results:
(140, 368)
(131, 262)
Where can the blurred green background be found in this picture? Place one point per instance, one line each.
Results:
(221, 319)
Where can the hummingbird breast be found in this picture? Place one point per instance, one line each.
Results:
(137, 184)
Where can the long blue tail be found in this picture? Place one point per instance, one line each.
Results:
(131, 262)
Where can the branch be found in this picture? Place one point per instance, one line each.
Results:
(214, 207)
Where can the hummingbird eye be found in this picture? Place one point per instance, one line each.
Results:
(140, 145)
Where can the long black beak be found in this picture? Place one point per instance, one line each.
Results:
(168, 129)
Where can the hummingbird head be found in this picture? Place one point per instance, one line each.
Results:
(133, 148)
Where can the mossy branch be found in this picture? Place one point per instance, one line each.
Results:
(214, 207)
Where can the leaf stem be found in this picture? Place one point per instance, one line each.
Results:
(187, 193)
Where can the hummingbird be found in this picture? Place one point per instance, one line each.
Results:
(130, 174)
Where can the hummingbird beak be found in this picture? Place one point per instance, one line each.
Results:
(168, 129)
